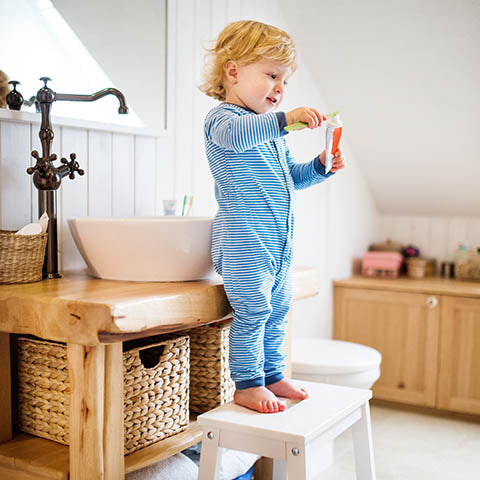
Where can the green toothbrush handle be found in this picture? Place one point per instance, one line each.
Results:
(299, 125)
(295, 126)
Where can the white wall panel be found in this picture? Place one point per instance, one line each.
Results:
(457, 232)
(74, 195)
(165, 173)
(437, 237)
(420, 232)
(123, 175)
(15, 209)
(145, 176)
(473, 232)
(204, 200)
(234, 11)
(99, 174)
(185, 90)
(219, 16)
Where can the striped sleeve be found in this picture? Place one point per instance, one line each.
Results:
(305, 175)
(240, 133)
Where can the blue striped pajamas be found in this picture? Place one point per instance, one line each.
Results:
(255, 181)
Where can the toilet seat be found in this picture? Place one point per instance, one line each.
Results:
(332, 357)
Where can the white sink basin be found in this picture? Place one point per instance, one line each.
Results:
(145, 249)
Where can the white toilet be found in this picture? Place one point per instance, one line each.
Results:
(338, 363)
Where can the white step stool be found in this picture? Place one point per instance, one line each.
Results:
(293, 437)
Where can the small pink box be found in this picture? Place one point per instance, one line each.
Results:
(381, 264)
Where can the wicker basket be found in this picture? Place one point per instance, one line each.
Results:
(21, 257)
(210, 382)
(416, 267)
(156, 380)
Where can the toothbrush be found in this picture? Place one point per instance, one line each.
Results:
(299, 125)
(187, 202)
(190, 198)
(183, 208)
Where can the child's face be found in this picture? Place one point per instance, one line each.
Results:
(258, 86)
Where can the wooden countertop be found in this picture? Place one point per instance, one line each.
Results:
(79, 308)
(429, 285)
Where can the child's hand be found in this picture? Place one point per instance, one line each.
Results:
(338, 162)
(310, 116)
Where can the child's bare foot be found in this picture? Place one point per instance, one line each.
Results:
(259, 399)
(286, 388)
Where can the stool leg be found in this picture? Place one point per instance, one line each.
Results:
(279, 469)
(363, 446)
(297, 456)
(210, 455)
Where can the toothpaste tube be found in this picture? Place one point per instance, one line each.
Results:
(334, 133)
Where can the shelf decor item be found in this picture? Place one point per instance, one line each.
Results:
(156, 378)
(381, 264)
(416, 267)
(387, 246)
(21, 257)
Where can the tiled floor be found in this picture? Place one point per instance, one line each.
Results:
(413, 446)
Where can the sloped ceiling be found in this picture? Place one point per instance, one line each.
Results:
(405, 76)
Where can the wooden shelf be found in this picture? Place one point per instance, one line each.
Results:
(29, 457)
(26, 454)
(163, 449)
(83, 310)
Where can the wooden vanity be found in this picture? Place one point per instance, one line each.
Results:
(93, 317)
(428, 332)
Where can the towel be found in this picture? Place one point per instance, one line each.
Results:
(235, 463)
(177, 467)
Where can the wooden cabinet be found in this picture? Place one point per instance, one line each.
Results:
(459, 367)
(404, 329)
(428, 332)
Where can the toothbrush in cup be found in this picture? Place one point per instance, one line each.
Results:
(187, 204)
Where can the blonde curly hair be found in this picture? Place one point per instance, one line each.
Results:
(245, 42)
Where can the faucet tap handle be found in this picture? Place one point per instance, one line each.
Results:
(31, 170)
(73, 165)
(38, 164)
(45, 80)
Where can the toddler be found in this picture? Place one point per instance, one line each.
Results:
(255, 180)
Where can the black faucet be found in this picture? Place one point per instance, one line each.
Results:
(46, 177)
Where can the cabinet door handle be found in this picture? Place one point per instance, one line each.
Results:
(432, 302)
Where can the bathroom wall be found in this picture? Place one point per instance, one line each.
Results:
(405, 75)
(126, 174)
(129, 173)
(436, 236)
(145, 23)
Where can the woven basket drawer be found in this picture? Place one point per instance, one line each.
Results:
(210, 382)
(21, 257)
(156, 390)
